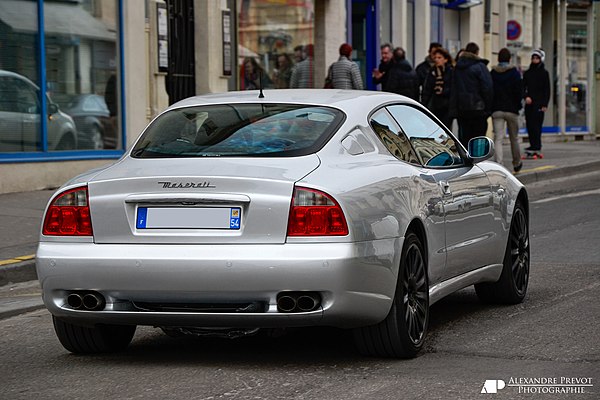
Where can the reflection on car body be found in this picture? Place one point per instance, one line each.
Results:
(20, 123)
(91, 116)
(306, 207)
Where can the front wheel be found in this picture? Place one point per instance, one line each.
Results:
(402, 333)
(98, 339)
(512, 285)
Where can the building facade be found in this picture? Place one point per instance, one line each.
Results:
(109, 66)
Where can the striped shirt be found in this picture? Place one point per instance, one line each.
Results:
(302, 75)
(345, 74)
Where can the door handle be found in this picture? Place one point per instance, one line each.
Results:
(445, 188)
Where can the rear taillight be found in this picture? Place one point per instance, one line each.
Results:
(314, 213)
(69, 214)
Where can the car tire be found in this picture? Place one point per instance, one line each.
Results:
(67, 142)
(97, 138)
(98, 339)
(402, 333)
(511, 288)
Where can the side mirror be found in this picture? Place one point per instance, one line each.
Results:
(480, 148)
(52, 108)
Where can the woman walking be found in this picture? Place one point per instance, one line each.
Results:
(436, 90)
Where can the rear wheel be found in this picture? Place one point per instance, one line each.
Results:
(512, 285)
(99, 339)
(402, 333)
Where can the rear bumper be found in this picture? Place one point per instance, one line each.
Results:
(356, 281)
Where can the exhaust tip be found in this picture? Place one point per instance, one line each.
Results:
(286, 303)
(307, 302)
(74, 300)
(93, 301)
(300, 301)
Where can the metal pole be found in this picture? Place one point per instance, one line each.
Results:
(562, 66)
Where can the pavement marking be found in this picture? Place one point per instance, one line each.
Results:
(569, 195)
(17, 259)
(537, 169)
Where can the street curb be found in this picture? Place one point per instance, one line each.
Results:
(21, 306)
(18, 272)
(25, 271)
(559, 172)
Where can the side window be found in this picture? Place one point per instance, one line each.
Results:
(26, 98)
(434, 146)
(392, 137)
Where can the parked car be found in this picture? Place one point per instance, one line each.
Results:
(20, 123)
(232, 212)
(91, 116)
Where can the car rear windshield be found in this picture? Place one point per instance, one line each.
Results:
(229, 130)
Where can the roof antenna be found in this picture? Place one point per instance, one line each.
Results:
(260, 95)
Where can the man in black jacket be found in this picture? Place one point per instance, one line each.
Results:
(381, 75)
(536, 85)
(402, 77)
(508, 93)
(471, 94)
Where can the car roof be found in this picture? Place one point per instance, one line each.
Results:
(15, 75)
(343, 99)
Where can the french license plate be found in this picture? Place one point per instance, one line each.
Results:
(188, 218)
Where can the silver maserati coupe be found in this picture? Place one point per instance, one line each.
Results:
(241, 211)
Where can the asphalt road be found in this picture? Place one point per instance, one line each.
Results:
(552, 335)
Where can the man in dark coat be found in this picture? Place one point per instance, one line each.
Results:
(380, 75)
(536, 85)
(471, 95)
(508, 93)
(402, 78)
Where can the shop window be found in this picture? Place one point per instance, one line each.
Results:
(76, 80)
(81, 69)
(19, 93)
(275, 42)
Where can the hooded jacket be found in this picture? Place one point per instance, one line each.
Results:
(536, 84)
(472, 90)
(508, 88)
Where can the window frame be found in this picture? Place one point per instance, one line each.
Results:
(460, 149)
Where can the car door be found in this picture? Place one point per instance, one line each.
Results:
(28, 106)
(465, 190)
(10, 118)
(424, 189)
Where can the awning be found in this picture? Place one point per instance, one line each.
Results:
(59, 18)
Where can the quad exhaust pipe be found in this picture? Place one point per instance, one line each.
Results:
(86, 300)
(292, 302)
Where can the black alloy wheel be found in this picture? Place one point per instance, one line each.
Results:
(416, 294)
(511, 288)
(519, 251)
(402, 333)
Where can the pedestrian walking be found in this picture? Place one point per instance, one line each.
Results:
(536, 86)
(423, 68)
(508, 94)
(471, 94)
(344, 73)
(402, 77)
(436, 89)
(380, 75)
(303, 74)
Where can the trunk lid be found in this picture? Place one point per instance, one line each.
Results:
(195, 200)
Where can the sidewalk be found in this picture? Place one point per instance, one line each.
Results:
(21, 218)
